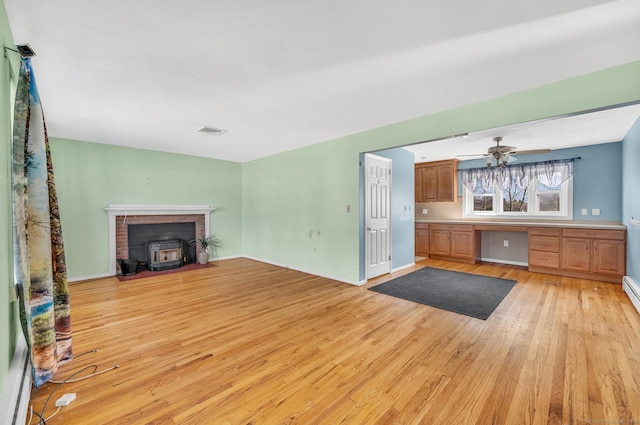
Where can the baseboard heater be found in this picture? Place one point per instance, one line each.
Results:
(633, 291)
(16, 391)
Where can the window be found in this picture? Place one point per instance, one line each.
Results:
(483, 200)
(540, 190)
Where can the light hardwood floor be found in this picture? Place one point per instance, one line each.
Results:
(250, 343)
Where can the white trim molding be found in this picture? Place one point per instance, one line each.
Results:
(115, 210)
(16, 390)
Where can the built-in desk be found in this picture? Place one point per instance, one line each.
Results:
(577, 249)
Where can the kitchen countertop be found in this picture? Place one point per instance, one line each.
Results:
(566, 223)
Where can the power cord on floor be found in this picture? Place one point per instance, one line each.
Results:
(67, 380)
(41, 414)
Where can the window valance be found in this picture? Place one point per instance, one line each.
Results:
(551, 173)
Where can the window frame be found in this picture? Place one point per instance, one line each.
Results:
(533, 203)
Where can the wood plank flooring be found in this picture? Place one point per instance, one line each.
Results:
(250, 343)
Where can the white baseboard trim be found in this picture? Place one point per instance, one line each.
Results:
(406, 266)
(512, 263)
(16, 392)
(231, 257)
(350, 282)
(632, 289)
(93, 276)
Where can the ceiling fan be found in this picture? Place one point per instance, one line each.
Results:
(503, 154)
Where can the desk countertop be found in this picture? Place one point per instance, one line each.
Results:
(567, 224)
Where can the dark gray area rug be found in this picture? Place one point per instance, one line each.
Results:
(469, 294)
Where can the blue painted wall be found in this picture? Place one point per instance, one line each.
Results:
(597, 182)
(631, 198)
(402, 204)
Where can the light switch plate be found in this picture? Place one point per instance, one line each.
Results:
(584, 211)
(595, 211)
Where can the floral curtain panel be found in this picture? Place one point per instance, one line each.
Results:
(38, 248)
(550, 173)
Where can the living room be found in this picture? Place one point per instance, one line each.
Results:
(300, 208)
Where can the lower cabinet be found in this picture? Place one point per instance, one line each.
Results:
(422, 239)
(453, 242)
(587, 253)
(600, 252)
(576, 252)
(544, 247)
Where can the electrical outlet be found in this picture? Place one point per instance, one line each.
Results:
(506, 243)
(425, 211)
(595, 211)
(584, 211)
(65, 400)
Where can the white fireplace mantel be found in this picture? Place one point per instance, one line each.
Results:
(115, 210)
(136, 209)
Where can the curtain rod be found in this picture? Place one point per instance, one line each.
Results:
(520, 163)
(9, 48)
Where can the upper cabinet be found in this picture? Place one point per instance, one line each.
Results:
(437, 181)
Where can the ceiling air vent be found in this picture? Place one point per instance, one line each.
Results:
(25, 50)
(211, 130)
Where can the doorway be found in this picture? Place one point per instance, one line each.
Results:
(377, 209)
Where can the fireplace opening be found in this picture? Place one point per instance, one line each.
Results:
(162, 246)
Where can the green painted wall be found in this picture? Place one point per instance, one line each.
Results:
(8, 316)
(294, 203)
(89, 176)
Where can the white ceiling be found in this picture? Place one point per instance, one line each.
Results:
(284, 74)
(605, 126)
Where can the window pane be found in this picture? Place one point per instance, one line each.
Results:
(548, 196)
(482, 199)
(514, 199)
(483, 202)
(549, 201)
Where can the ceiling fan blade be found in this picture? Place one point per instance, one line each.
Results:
(530, 152)
(473, 154)
(501, 149)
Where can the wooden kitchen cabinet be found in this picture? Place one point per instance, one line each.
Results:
(422, 239)
(609, 257)
(576, 255)
(440, 242)
(599, 254)
(455, 242)
(544, 247)
(437, 181)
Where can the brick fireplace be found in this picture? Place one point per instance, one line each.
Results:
(122, 215)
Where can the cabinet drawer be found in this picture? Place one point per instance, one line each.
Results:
(544, 259)
(422, 226)
(544, 243)
(544, 231)
(456, 227)
(594, 234)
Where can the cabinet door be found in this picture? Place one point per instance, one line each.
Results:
(575, 254)
(429, 184)
(422, 242)
(440, 243)
(462, 244)
(444, 180)
(419, 192)
(608, 257)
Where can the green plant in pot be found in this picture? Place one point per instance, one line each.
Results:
(208, 247)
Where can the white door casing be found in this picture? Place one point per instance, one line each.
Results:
(377, 209)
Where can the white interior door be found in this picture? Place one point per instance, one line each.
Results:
(377, 200)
